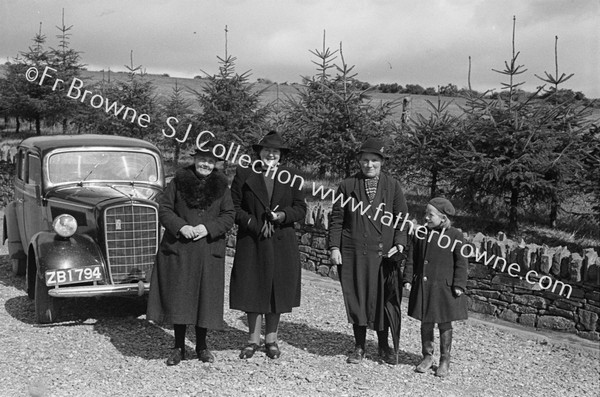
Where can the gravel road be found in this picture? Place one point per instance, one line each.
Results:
(105, 347)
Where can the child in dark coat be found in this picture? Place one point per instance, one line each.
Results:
(439, 280)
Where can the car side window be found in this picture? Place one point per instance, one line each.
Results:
(22, 165)
(34, 173)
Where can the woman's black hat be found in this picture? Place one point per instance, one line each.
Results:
(373, 145)
(272, 140)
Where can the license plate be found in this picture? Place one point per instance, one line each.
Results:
(73, 275)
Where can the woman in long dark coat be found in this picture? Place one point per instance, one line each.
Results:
(187, 285)
(439, 281)
(265, 279)
(358, 243)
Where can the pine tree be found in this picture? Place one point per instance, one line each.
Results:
(330, 117)
(22, 99)
(230, 108)
(589, 181)
(428, 144)
(66, 61)
(138, 93)
(178, 107)
(135, 92)
(569, 126)
(519, 149)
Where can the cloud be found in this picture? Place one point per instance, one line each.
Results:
(426, 42)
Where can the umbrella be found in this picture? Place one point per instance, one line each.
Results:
(392, 296)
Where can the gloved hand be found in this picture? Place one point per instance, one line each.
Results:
(275, 217)
(267, 229)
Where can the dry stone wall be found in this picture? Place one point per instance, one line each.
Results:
(520, 299)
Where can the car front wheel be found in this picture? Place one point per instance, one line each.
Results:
(45, 305)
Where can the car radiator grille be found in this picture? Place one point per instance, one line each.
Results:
(131, 235)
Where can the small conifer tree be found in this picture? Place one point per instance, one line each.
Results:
(178, 107)
(22, 99)
(520, 149)
(66, 61)
(330, 117)
(230, 107)
(428, 144)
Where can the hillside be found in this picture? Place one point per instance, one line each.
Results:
(271, 92)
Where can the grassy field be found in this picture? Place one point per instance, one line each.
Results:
(272, 92)
(279, 92)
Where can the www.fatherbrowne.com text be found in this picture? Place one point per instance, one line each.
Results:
(232, 154)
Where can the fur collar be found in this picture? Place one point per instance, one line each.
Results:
(200, 192)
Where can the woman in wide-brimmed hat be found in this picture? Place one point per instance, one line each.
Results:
(265, 279)
(187, 285)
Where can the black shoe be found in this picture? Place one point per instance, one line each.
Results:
(388, 355)
(356, 356)
(177, 354)
(205, 356)
(249, 350)
(273, 351)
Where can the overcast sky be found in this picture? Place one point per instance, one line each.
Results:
(426, 42)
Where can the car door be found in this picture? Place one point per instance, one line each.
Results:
(33, 215)
(20, 180)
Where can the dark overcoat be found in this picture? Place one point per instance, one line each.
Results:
(187, 285)
(362, 239)
(436, 268)
(266, 272)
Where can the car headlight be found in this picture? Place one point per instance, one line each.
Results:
(64, 225)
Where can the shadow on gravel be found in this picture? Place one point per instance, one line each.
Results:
(327, 343)
(140, 338)
(314, 340)
(74, 311)
(21, 308)
(136, 337)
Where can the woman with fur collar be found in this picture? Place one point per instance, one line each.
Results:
(187, 285)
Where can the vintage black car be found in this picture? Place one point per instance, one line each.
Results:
(84, 221)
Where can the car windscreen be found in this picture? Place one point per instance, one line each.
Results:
(109, 166)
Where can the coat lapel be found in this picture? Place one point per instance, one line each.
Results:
(380, 197)
(256, 183)
(278, 192)
(425, 246)
(358, 193)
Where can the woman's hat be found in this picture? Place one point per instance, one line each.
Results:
(443, 205)
(373, 145)
(271, 140)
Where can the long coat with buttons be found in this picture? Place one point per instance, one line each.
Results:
(188, 279)
(362, 240)
(436, 268)
(266, 272)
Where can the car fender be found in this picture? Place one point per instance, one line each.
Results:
(11, 232)
(55, 252)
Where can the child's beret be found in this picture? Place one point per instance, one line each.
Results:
(443, 205)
